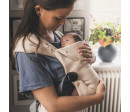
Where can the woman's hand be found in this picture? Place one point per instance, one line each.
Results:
(100, 92)
(86, 52)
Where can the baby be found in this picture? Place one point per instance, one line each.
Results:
(67, 84)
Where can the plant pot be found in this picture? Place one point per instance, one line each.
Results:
(108, 53)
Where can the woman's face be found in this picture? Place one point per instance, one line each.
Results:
(54, 18)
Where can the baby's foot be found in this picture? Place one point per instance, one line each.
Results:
(66, 85)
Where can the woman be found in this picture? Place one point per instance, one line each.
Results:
(40, 73)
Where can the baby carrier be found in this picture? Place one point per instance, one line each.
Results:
(72, 62)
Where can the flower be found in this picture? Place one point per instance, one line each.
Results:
(106, 34)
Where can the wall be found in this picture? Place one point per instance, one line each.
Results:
(83, 13)
(12, 107)
(107, 11)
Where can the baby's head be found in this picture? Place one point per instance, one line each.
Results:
(70, 38)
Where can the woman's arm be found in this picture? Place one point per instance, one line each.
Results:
(48, 98)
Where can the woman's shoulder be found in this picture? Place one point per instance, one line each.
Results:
(28, 43)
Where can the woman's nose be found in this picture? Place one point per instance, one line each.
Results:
(62, 21)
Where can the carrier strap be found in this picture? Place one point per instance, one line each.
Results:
(30, 44)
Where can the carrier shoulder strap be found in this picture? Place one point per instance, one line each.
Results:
(30, 44)
(59, 34)
(45, 47)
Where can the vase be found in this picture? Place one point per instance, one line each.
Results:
(108, 53)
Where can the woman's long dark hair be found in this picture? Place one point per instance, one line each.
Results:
(30, 20)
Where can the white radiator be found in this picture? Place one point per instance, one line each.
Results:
(112, 101)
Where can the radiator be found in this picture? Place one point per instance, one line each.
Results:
(112, 100)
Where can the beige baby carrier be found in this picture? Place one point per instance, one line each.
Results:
(71, 60)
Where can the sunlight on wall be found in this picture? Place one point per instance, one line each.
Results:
(106, 10)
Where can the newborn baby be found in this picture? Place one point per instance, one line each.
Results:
(87, 78)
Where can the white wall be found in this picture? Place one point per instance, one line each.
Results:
(106, 10)
(84, 13)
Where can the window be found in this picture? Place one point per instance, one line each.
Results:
(106, 10)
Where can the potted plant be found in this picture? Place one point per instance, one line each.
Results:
(107, 35)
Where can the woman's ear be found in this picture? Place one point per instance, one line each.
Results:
(37, 9)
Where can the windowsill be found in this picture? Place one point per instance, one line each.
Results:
(99, 64)
(115, 64)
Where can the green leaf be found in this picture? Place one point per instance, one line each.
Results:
(92, 30)
(120, 40)
(99, 36)
(105, 39)
(119, 29)
(108, 23)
